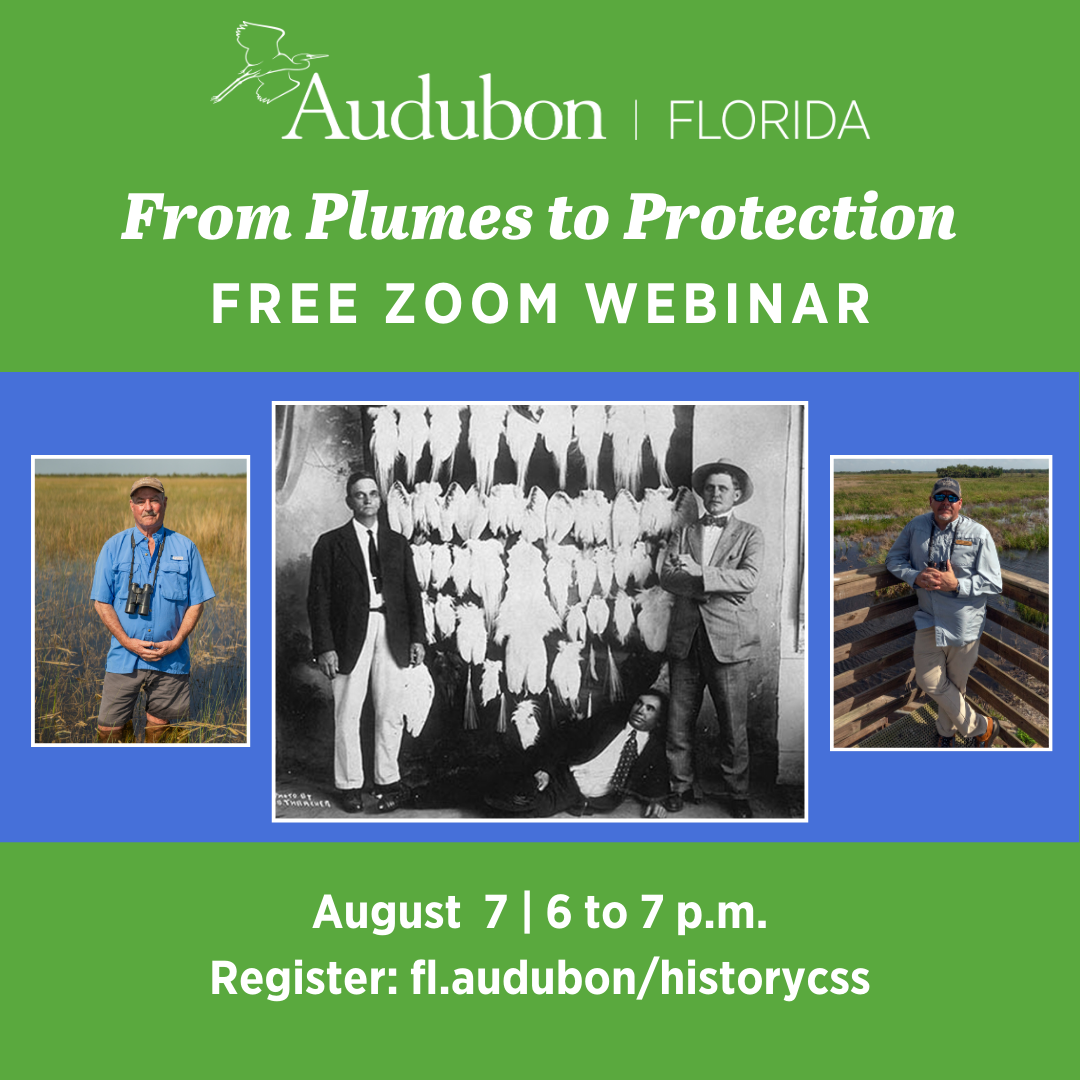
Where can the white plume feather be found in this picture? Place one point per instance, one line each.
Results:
(416, 693)
(659, 428)
(412, 435)
(654, 617)
(590, 422)
(557, 431)
(605, 569)
(566, 671)
(442, 561)
(471, 633)
(445, 616)
(560, 575)
(399, 510)
(656, 509)
(490, 681)
(625, 520)
(642, 567)
(597, 614)
(486, 421)
(488, 575)
(685, 510)
(384, 444)
(560, 517)
(461, 574)
(506, 509)
(521, 435)
(585, 567)
(576, 624)
(534, 523)
(623, 617)
(626, 426)
(421, 557)
(444, 435)
(526, 719)
(451, 510)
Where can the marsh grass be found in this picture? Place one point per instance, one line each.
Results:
(74, 516)
(1032, 615)
(1014, 508)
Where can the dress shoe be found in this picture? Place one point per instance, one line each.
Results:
(386, 802)
(351, 800)
(675, 802)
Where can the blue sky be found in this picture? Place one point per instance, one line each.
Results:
(140, 466)
(931, 464)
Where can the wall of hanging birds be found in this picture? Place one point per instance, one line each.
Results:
(537, 533)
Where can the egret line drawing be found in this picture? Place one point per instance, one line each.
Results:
(266, 62)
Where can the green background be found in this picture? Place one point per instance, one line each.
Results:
(969, 951)
(966, 105)
(969, 947)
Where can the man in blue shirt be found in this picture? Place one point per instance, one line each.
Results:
(149, 589)
(952, 564)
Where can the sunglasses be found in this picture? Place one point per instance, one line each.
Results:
(941, 496)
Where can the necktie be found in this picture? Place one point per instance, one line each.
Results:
(709, 519)
(373, 561)
(627, 757)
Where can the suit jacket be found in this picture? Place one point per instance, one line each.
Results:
(582, 740)
(722, 601)
(339, 597)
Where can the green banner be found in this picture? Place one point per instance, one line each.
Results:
(915, 957)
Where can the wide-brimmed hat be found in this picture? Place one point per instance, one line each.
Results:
(147, 481)
(740, 475)
(947, 483)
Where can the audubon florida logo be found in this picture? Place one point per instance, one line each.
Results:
(266, 63)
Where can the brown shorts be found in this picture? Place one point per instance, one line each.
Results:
(167, 696)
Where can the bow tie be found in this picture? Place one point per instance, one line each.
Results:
(718, 522)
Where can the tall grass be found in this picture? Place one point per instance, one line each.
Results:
(908, 495)
(74, 516)
(1013, 508)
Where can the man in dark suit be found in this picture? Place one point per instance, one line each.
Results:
(367, 623)
(712, 567)
(590, 766)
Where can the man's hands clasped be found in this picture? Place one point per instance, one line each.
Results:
(938, 580)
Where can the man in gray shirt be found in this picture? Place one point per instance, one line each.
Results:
(952, 564)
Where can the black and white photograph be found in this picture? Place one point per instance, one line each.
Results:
(537, 611)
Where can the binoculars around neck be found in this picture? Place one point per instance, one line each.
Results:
(139, 597)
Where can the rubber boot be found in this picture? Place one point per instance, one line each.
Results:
(110, 735)
(156, 733)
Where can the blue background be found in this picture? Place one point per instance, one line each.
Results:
(207, 794)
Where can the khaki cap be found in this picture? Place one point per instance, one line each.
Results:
(147, 481)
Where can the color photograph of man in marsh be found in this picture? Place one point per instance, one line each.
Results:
(140, 600)
(941, 603)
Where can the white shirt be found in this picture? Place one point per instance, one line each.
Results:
(710, 538)
(362, 534)
(594, 776)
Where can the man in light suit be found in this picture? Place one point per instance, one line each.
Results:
(712, 567)
(367, 623)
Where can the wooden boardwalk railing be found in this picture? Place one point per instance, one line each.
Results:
(855, 717)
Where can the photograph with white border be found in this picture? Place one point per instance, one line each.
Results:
(139, 600)
(941, 602)
(543, 611)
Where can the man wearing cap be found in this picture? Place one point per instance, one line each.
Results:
(149, 589)
(952, 564)
(367, 624)
(712, 567)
